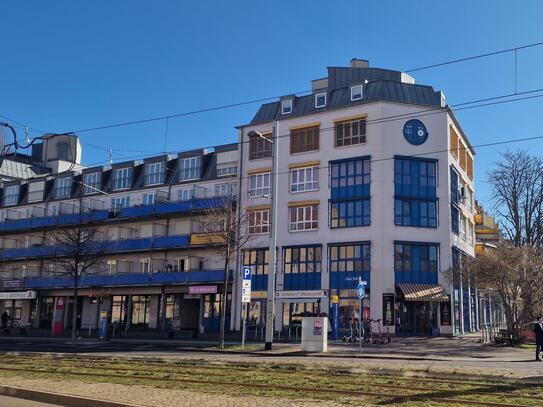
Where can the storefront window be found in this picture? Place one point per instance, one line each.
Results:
(140, 310)
(119, 309)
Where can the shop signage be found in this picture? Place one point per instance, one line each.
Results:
(285, 295)
(445, 314)
(388, 309)
(12, 283)
(203, 289)
(206, 238)
(58, 316)
(18, 295)
(99, 293)
(246, 285)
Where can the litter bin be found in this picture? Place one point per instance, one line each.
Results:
(314, 334)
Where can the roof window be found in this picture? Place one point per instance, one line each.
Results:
(356, 93)
(286, 106)
(320, 100)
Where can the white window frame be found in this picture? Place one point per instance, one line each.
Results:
(286, 106)
(154, 173)
(125, 178)
(144, 265)
(227, 190)
(91, 179)
(149, 198)
(190, 168)
(226, 171)
(462, 226)
(354, 92)
(259, 222)
(186, 261)
(11, 191)
(317, 100)
(119, 202)
(63, 187)
(188, 191)
(112, 266)
(305, 185)
(254, 189)
(303, 220)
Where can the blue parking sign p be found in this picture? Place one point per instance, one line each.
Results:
(247, 273)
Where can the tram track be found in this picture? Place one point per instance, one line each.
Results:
(410, 393)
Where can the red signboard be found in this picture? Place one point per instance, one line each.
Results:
(203, 289)
(58, 316)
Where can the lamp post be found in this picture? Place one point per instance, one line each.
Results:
(270, 297)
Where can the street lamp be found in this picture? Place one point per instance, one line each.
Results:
(270, 298)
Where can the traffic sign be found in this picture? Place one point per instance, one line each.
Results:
(246, 285)
(361, 289)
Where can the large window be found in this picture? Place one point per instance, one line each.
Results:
(304, 179)
(258, 260)
(350, 193)
(122, 178)
(63, 187)
(302, 259)
(260, 147)
(455, 200)
(303, 218)
(149, 198)
(303, 140)
(259, 184)
(415, 191)
(154, 173)
(416, 262)
(190, 168)
(185, 194)
(92, 182)
(259, 221)
(11, 195)
(120, 202)
(350, 257)
(350, 133)
(227, 171)
(226, 190)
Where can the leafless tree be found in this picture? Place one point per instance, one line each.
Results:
(516, 185)
(77, 251)
(227, 228)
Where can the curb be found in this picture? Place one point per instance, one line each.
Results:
(56, 398)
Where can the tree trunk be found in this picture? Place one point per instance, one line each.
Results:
(74, 311)
(223, 303)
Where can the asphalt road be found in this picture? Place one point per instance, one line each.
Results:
(13, 402)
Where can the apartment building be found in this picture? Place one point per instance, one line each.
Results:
(375, 182)
(158, 271)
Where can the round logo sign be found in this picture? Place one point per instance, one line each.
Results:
(415, 132)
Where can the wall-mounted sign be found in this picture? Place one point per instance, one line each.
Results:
(203, 289)
(9, 283)
(445, 309)
(206, 238)
(285, 295)
(18, 295)
(388, 309)
(246, 285)
(415, 132)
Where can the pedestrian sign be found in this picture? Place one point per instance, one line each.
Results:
(246, 285)
(361, 289)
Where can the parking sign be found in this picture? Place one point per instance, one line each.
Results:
(246, 284)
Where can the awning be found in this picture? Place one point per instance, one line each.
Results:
(423, 292)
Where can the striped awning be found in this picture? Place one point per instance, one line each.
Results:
(423, 292)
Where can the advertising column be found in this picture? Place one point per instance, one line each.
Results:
(58, 316)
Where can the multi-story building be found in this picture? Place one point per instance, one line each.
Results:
(158, 271)
(375, 182)
(487, 231)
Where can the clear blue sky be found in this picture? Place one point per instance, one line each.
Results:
(69, 65)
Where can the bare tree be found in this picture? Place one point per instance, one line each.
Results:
(516, 185)
(227, 227)
(77, 251)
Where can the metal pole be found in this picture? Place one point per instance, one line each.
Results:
(243, 309)
(270, 303)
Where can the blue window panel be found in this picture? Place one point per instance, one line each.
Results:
(455, 222)
(416, 263)
(348, 262)
(302, 267)
(347, 214)
(259, 282)
(350, 178)
(416, 178)
(455, 198)
(258, 259)
(302, 281)
(415, 212)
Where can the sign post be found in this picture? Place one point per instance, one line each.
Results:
(245, 299)
(361, 292)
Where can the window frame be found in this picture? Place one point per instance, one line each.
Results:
(361, 136)
(311, 263)
(119, 202)
(257, 219)
(154, 173)
(286, 106)
(314, 185)
(259, 148)
(353, 98)
(92, 179)
(124, 182)
(304, 140)
(146, 197)
(182, 191)
(253, 192)
(190, 172)
(299, 225)
(336, 258)
(62, 187)
(258, 259)
(15, 195)
(317, 105)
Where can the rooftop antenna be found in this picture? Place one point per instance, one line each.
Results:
(110, 153)
(27, 138)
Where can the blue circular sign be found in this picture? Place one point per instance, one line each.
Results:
(361, 290)
(415, 132)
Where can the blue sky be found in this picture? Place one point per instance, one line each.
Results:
(69, 65)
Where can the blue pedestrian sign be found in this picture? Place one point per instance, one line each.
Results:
(361, 290)
(247, 273)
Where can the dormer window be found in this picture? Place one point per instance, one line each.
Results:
(63, 187)
(11, 195)
(356, 93)
(154, 173)
(122, 178)
(320, 100)
(286, 106)
(92, 182)
(190, 168)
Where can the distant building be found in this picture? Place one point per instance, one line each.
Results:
(487, 231)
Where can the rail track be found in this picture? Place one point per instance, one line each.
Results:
(211, 375)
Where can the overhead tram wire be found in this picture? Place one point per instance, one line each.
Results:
(259, 100)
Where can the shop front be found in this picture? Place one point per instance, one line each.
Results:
(421, 309)
(20, 306)
(298, 304)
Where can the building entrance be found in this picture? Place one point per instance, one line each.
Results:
(418, 318)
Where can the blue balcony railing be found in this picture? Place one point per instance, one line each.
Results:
(124, 245)
(172, 207)
(133, 279)
(45, 221)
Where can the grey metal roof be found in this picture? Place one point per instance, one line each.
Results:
(383, 85)
(15, 169)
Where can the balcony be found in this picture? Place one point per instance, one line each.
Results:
(165, 208)
(116, 246)
(121, 279)
(11, 225)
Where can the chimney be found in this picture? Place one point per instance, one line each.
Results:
(359, 63)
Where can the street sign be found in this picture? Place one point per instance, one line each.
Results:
(246, 285)
(361, 289)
